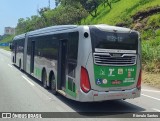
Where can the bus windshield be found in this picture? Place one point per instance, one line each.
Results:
(113, 40)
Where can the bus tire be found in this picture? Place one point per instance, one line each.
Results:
(53, 85)
(20, 65)
(44, 79)
(13, 59)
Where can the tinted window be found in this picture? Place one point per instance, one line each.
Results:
(18, 45)
(72, 52)
(113, 40)
(45, 46)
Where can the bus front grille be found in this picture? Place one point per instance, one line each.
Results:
(114, 59)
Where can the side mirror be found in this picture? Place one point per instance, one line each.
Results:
(10, 46)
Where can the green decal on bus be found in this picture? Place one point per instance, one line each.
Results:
(114, 76)
(37, 72)
(71, 89)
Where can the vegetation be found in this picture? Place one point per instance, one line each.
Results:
(5, 48)
(7, 38)
(67, 12)
(152, 79)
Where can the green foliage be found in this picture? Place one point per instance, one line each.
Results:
(148, 34)
(151, 29)
(68, 12)
(158, 32)
(151, 54)
(5, 48)
(7, 38)
(29, 24)
(91, 6)
(154, 21)
(57, 2)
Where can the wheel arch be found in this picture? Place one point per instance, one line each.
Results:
(50, 77)
(20, 63)
(13, 59)
(43, 70)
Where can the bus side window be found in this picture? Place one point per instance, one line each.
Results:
(72, 53)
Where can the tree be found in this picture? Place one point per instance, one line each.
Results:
(67, 12)
(108, 2)
(20, 26)
(57, 2)
(42, 12)
(91, 6)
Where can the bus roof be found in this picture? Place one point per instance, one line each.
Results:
(109, 28)
(21, 36)
(59, 28)
(52, 29)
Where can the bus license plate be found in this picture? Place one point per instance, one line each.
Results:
(116, 82)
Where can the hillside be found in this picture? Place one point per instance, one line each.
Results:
(122, 11)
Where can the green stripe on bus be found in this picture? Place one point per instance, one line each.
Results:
(37, 72)
(71, 89)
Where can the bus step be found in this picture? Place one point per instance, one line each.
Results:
(61, 92)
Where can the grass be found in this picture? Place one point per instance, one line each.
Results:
(6, 48)
(151, 44)
(7, 38)
(121, 11)
(154, 21)
(151, 55)
(151, 79)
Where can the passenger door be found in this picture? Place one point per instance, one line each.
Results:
(32, 57)
(62, 57)
(15, 52)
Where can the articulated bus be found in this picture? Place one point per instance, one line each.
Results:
(84, 63)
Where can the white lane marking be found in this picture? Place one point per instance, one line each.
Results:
(147, 90)
(151, 97)
(28, 80)
(156, 109)
(10, 65)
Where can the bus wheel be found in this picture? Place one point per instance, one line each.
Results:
(44, 79)
(13, 59)
(53, 85)
(20, 65)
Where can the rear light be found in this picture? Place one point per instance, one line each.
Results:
(139, 80)
(85, 83)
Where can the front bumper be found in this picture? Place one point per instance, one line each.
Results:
(93, 95)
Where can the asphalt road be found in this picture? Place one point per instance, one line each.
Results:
(21, 93)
